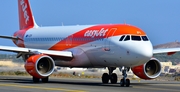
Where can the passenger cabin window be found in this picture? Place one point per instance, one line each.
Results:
(145, 38)
(127, 38)
(136, 38)
(122, 37)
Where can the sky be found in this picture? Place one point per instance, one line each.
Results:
(160, 19)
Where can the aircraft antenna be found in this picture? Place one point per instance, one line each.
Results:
(124, 22)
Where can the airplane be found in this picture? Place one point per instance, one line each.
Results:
(111, 46)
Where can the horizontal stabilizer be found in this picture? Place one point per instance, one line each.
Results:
(9, 37)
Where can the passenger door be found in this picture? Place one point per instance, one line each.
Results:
(108, 39)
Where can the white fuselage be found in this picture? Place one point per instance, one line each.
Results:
(107, 51)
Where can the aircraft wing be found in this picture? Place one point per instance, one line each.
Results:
(31, 51)
(169, 51)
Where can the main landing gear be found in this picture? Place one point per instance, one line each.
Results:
(44, 80)
(113, 76)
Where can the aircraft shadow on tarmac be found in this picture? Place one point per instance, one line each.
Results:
(85, 83)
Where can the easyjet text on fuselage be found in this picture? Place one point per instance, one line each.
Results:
(96, 33)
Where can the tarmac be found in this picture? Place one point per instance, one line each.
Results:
(25, 84)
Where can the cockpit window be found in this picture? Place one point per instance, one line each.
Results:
(122, 37)
(127, 38)
(145, 38)
(136, 38)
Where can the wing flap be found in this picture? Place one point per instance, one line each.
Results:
(14, 49)
(30, 51)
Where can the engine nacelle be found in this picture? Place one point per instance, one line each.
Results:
(39, 66)
(149, 70)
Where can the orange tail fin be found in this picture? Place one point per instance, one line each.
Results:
(26, 19)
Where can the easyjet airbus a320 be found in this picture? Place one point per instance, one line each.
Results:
(85, 46)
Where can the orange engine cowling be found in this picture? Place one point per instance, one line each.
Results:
(149, 70)
(39, 66)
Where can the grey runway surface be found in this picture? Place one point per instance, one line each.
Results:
(25, 84)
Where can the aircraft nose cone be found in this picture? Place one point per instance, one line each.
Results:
(145, 52)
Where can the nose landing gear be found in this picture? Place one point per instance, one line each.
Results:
(124, 81)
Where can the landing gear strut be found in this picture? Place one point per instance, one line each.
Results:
(124, 81)
(111, 76)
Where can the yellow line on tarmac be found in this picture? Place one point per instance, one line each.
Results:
(165, 89)
(44, 88)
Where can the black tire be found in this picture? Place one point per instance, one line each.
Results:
(113, 78)
(35, 80)
(127, 82)
(122, 83)
(105, 78)
(45, 80)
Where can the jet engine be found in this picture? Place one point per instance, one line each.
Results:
(149, 70)
(39, 66)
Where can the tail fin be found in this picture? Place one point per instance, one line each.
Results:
(26, 19)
